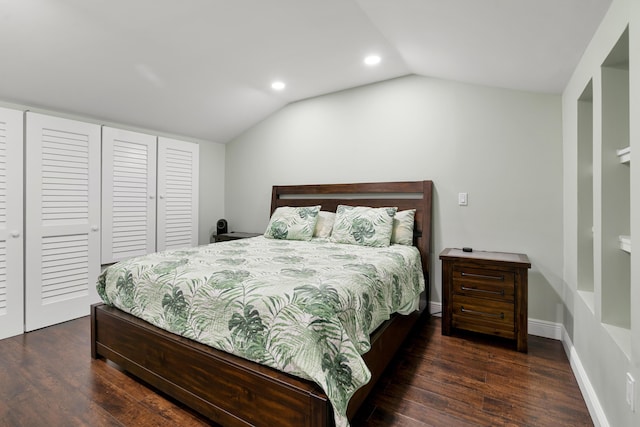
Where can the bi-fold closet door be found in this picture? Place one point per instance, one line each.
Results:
(62, 219)
(11, 224)
(178, 177)
(128, 194)
(149, 194)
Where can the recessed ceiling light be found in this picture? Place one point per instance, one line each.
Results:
(278, 85)
(372, 60)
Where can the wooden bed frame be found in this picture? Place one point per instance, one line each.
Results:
(232, 391)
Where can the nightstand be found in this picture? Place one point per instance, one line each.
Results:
(234, 235)
(485, 292)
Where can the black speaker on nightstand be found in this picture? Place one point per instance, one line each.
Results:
(222, 226)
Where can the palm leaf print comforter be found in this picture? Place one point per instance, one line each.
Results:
(305, 308)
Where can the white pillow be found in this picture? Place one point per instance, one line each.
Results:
(324, 224)
(402, 232)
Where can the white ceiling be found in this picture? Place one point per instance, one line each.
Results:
(203, 68)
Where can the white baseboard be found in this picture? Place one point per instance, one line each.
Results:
(435, 308)
(588, 393)
(545, 329)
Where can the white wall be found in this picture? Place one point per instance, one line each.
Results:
(211, 203)
(503, 147)
(603, 354)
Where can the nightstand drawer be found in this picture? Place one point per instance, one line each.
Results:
(484, 283)
(482, 315)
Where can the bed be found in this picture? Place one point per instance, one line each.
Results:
(231, 390)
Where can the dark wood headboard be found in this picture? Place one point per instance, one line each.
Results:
(405, 195)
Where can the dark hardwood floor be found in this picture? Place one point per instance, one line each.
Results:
(47, 378)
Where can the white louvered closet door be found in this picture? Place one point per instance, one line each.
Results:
(178, 179)
(62, 219)
(11, 224)
(128, 194)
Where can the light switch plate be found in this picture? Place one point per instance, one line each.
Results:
(630, 395)
(463, 199)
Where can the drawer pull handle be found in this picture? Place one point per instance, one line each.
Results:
(500, 292)
(480, 313)
(481, 276)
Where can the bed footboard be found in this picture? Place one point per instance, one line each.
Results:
(226, 389)
(229, 390)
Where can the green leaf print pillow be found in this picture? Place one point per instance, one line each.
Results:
(292, 223)
(361, 225)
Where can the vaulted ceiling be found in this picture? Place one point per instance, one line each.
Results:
(204, 68)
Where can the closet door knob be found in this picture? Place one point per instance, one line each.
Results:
(152, 197)
(161, 196)
(94, 228)
(15, 234)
